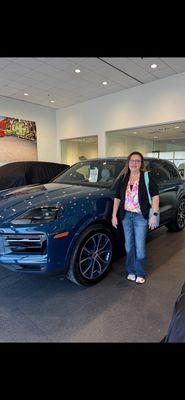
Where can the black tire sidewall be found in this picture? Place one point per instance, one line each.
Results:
(173, 225)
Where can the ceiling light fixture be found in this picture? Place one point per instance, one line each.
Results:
(77, 70)
(104, 83)
(52, 101)
(26, 94)
(162, 129)
(135, 133)
(156, 137)
(177, 127)
(153, 65)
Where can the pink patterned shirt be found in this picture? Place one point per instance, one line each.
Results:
(131, 198)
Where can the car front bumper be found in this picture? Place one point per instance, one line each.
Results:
(36, 252)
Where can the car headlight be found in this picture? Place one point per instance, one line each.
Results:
(39, 215)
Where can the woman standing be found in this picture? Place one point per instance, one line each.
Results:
(131, 199)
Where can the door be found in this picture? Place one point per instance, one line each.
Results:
(167, 188)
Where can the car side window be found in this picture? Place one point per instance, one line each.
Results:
(159, 172)
(171, 170)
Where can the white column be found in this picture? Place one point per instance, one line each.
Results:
(101, 144)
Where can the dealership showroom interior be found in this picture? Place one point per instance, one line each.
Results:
(67, 127)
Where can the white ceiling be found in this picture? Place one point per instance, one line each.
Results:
(46, 79)
(162, 132)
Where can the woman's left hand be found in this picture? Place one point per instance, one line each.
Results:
(152, 222)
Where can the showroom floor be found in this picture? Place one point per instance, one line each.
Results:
(50, 309)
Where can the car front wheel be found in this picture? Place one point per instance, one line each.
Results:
(91, 256)
(178, 222)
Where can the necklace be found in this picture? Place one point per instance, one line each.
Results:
(133, 179)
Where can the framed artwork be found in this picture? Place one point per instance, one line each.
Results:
(18, 140)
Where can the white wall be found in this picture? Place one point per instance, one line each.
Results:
(45, 119)
(153, 103)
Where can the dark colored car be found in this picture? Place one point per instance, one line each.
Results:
(176, 329)
(22, 173)
(65, 226)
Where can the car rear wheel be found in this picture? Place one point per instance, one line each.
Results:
(91, 256)
(178, 222)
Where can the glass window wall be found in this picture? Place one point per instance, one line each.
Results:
(79, 149)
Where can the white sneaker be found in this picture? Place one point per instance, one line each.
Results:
(140, 279)
(131, 277)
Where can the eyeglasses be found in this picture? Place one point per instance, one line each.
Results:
(135, 161)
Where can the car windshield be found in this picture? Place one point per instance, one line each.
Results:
(97, 173)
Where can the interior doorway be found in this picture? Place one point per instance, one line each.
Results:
(79, 149)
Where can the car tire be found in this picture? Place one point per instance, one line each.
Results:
(91, 257)
(178, 222)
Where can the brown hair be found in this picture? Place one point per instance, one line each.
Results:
(126, 168)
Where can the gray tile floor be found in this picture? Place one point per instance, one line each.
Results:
(49, 309)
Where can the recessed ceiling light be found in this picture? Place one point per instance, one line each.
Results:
(26, 94)
(77, 70)
(163, 129)
(177, 127)
(153, 65)
(52, 101)
(104, 83)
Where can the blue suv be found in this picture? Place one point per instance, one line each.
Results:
(65, 226)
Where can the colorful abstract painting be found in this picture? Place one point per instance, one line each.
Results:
(18, 140)
(17, 127)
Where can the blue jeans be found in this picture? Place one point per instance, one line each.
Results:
(135, 228)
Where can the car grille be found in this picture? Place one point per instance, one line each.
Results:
(23, 244)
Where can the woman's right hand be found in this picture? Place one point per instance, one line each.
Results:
(114, 221)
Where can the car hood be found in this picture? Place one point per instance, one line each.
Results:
(14, 201)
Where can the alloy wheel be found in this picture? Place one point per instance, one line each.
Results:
(181, 215)
(95, 256)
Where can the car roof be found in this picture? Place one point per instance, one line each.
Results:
(120, 158)
(33, 162)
